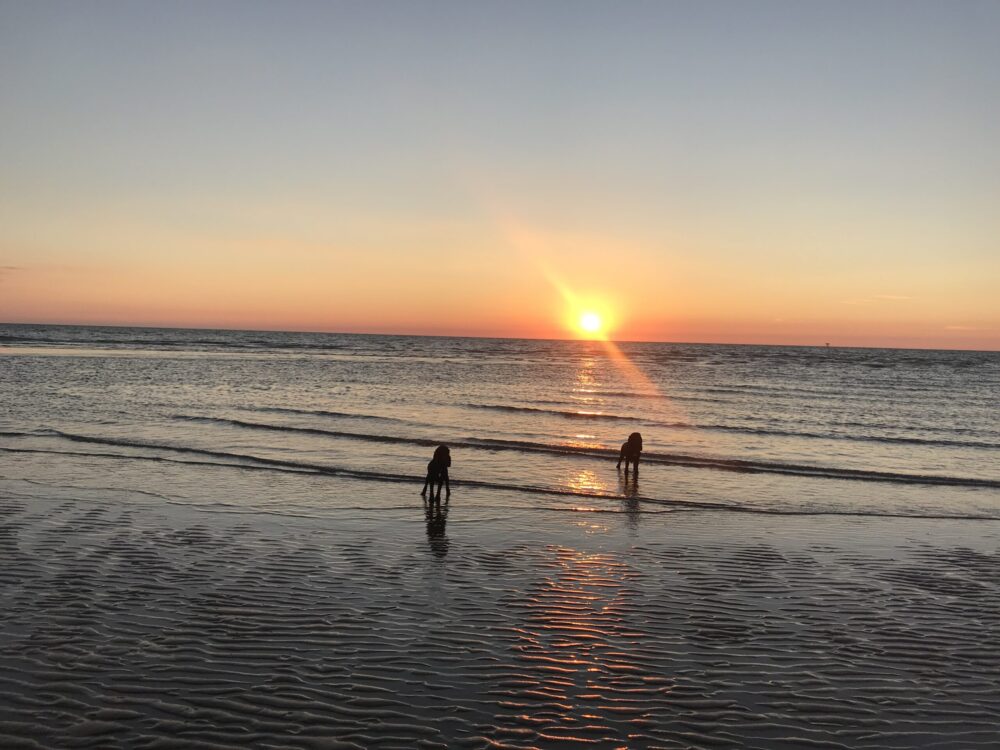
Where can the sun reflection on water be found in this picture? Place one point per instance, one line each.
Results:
(586, 381)
(585, 480)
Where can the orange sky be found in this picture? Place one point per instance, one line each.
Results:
(523, 284)
(695, 172)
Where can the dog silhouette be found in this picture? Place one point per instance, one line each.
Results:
(631, 451)
(437, 472)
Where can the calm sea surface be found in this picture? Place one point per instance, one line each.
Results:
(350, 421)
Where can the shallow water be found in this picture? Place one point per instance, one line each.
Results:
(778, 429)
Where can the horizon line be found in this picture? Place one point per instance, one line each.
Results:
(824, 345)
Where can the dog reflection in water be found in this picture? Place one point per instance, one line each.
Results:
(437, 473)
(436, 515)
(629, 487)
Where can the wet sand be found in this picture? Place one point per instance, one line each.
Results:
(128, 622)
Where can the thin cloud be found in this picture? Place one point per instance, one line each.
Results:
(876, 298)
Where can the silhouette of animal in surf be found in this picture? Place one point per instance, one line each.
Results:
(437, 472)
(630, 452)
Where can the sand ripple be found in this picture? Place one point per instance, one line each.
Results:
(133, 625)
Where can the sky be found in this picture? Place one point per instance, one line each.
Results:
(745, 172)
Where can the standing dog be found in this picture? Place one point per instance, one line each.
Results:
(437, 472)
(630, 452)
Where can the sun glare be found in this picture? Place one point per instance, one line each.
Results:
(590, 322)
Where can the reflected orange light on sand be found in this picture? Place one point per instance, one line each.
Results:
(578, 648)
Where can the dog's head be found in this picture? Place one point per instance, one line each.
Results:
(635, 440)
(442, 455)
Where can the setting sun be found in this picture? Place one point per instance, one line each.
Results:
(589, 317)
(591, 322)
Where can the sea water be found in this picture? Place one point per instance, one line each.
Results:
(341, 421)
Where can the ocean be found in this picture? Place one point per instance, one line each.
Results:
(216, 539)
(772, 429)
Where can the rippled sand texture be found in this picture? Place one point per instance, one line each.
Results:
(132, 624)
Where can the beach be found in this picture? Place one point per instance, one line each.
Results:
(130, 622)
(217, 540)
